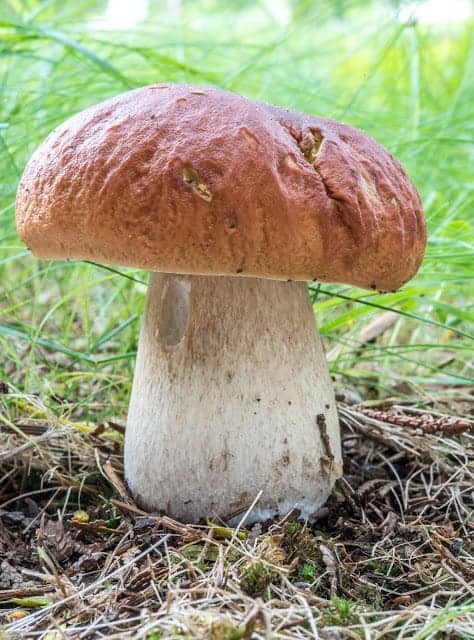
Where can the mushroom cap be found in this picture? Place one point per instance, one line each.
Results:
(184, 179)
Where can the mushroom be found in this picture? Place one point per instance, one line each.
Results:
(232, 205)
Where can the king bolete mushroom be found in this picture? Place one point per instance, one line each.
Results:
(232, 205)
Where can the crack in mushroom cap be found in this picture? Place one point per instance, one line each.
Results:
(196, 180)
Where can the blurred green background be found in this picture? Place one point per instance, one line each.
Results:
(403, 72)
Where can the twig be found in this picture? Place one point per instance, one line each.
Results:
(24, 592)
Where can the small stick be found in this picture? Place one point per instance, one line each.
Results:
(25, 592)
(449, 425)
(165, 521)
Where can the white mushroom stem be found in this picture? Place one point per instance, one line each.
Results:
(231, 397)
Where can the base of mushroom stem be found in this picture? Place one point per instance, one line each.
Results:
(302, 510)
(231, 400)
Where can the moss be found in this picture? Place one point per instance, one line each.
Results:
(299, 542)
(370, 596)
(388, 569)
(223, 630)
(341, 612)
(255, 579)
(307, 572)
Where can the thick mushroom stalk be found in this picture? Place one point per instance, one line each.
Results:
(231, 397)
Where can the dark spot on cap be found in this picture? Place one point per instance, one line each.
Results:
(230, 222)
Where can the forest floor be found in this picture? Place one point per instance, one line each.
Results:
(390, 556)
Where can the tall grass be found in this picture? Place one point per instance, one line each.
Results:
(69, 330)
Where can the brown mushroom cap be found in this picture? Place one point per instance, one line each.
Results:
(195, 180)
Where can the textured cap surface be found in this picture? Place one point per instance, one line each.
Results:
(195, 180)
